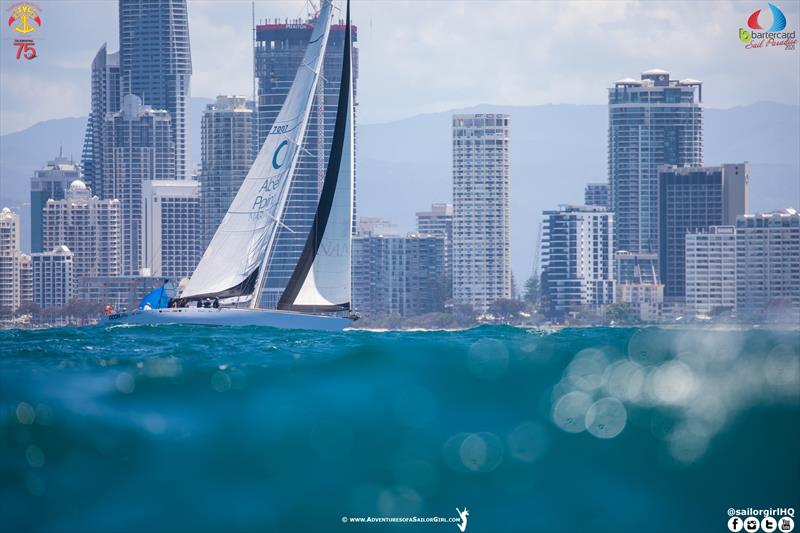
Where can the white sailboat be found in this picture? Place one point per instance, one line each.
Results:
(233, 267)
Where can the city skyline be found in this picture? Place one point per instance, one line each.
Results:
(222, 54)
(300, 265)
(652, 121)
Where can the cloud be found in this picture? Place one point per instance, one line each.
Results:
(222, 50)
(418, 57)
(516, 52)
(26, 100)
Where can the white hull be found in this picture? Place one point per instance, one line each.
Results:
(229, 317)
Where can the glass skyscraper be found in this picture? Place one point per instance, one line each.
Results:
(651, 122)
(279, 48)
(693, 199)
(156, 63)
(227, 132)
(105, 99)
(137, 147)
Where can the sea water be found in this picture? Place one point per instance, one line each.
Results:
(252, 429)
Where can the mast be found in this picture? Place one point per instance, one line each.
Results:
(256, 124)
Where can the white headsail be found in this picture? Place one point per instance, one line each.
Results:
(234, 260)
(321, 280)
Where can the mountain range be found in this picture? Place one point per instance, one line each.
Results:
(405, 165)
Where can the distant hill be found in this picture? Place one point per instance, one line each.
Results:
(24, 151)
(555, 149)
(404, 166)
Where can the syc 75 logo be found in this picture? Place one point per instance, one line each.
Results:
(774, 36)
(24, 19)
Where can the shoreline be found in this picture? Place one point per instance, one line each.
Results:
(547, 328)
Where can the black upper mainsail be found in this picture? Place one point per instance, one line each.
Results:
(321, 279)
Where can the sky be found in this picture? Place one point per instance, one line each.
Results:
(427, 56)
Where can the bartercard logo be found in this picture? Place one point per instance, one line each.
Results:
(756, 36)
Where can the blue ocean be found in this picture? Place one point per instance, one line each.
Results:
(251, 429)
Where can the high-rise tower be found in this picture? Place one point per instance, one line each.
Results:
(137, 147)
(10, 297)
(577, 260)
(171, 227)
(279, 49)
(652, 121)
(481, 210)
(105, 99)
(156, 64)
(49, 183)
(226, 157)
(89, 227)
(694, 199)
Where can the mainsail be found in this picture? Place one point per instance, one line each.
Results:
(234, 262)
(321, 279)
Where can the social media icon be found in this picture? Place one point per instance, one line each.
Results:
(785, 524)
(769, 524)
(751, 524)
(735, 524)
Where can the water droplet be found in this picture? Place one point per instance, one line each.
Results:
(473, 452)
(488, 358)
(162, 367)
(25, 413)
(606, 418)
(481, 452)
(625, 380)
(688, 443)
(782, 367)
(125, 383)
(34, 456)
(587, 369)
(221, 382)
(527, 442)
(570, 411)
(649, 347)
(673, 383)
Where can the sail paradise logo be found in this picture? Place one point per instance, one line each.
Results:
(774, 36)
